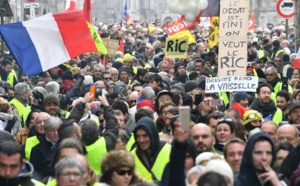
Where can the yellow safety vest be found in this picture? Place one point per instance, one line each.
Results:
(130, 143)
(26, 113)
(158, 167)
(95, 152)
(278, 88)
(261, 53)
(224, 97)
(51, 182)
(30, 143)
(10, 77)
(19, 106)
(277, 118)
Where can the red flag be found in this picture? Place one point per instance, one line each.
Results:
(87, 10)
(121, 46)
(70, 5)
(251, 23)
(297, 59)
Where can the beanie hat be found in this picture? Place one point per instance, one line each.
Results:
(126, 69)
(204, 73)
(158, 49)
(190, 86)
(119, 60)
(204, 156)
(182, 78)
(239, 96)
(223, 168)
(251, 115)
(147, 103)
(128, 57)
(202, 84)
(117, 159)
(67, 75)
(50, 98)
(117, 64)
(88, 79)
(118, 54)
(177, 65)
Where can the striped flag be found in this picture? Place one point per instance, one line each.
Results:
(126, 14)
(70, 5)
(48, 41)
(251, 23)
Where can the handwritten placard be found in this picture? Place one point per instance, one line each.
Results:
(112, 46)
(176, 47)
(229, 84)
(233, 38)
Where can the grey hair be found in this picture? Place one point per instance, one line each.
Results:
(111, 69)
(20, 88)
(52, 123)
(41, 90)
(67, 162)
(99, 66)
(52, 87)
(272, 68)
(124, 136)
(293, 54)
(118, 113)
(39, 114)
(147, 93)
(163, 62)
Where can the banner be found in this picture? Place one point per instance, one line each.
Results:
(213, 37)
(230, 84)
(176, 47)
(112, 46)
(251, 23)
(233, 38)
(179, 29)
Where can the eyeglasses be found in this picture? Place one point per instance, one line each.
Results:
(107, 78)
(253, 116)
(123, 172)
(132, 101)
(269, 74)
(114, 74)
(76, 175)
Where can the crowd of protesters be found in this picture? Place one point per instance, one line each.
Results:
(55, 131)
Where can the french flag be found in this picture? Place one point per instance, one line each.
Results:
(48, 41)
(70, 5)
(297, 59)
(126, 14)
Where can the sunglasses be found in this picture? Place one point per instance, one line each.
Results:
(107, 78)
(123, 172)
(254, 115)
(132, 101)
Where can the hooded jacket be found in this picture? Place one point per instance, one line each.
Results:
(247, 175)
(24, 178)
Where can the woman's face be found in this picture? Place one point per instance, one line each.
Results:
(121, 177)
(123, 76)
(223, 132)
(296, 74)
(32, 119)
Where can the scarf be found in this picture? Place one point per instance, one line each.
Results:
(265, 110)
(274, 82)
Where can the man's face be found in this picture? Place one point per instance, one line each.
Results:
(281, 102)
(39, 123)
(143, 140)
(280, 156)
(270, 75)
(202, 137)
(120, 144)
(198, 66)
(234, 156)
(10, 166)
(93, 63)
(97, 72)
(261, 154)
(295, 115)
(163, 67)
(100, 84)
(287, 133)
(7, 68)
(120, 119)
(164, 98)
(164, 112)
(277, 62)
(71, 176)
(114, 75)
(52, 108)
(264, 95)
(106, 78)
(270, 130)
(213, 124)
(181, 70)
(52, 135)
(244, 102)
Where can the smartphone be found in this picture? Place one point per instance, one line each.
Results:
(215, 102)
(93, 91)
(249, 64)
(198, 99)
(98, 92)
(185, 117)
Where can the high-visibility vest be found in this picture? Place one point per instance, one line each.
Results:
(30, 143)
(158, 167)
(278, 117)
(26, 112)
(10, 77)
(224, 97)
(278, 88)
(19, 106)
(95, 152)
(130, 143)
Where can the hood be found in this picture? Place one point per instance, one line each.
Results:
(25, 174)
(148, 125)
(27, 171)
(247, 175)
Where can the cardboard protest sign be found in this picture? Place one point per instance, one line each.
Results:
(176, 47)
(179, 29)
(229, 84)
(233, 38)
(112, 46)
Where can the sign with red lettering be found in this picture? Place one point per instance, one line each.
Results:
(175, 27)
(285, 8)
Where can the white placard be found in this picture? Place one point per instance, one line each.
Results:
(230, 84)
